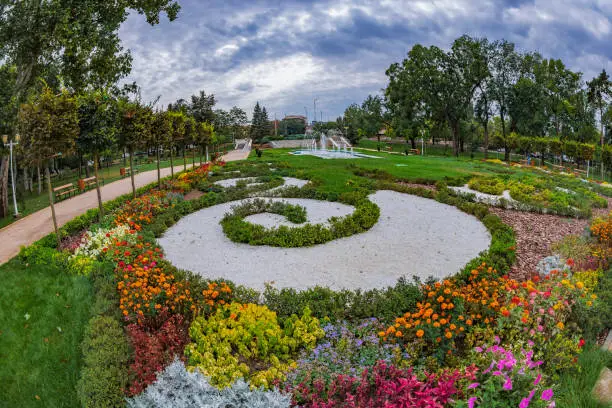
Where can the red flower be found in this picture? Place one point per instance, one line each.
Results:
(516, 300)
(581, 343)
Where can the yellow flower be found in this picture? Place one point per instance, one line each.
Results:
(560, 325)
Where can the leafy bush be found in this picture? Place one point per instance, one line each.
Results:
(105, 356)
(345, 304)
(594, 315)
(366, 214)
(155, 349)
(487, 185)
(247, 341)
(382, 386)
(178, 388)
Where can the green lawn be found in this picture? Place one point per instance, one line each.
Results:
(334, 174)
(575, 387)
(43, 313)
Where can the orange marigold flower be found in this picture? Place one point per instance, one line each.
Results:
(420, 333)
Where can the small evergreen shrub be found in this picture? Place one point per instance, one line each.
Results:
(178, 388)
(105, 360)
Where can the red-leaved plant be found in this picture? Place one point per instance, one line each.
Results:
(155, 349)
(382, 386)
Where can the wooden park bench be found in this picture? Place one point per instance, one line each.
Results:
(64, 191)
(126, 171)
(87, 183)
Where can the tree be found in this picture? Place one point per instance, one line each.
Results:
(201, 107)
(260, 126)
(159, 136)
(8, 114)
(177, 134)
(97, 125)
(238, 120)
(205, 135)
(191, 133)
(49, 125)
(599, 89)
(441, 82)
(373, 116)
(293, 126)
(351, 122)
(77, 40)
(135, 121)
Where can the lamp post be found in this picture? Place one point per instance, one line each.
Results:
(10, 144)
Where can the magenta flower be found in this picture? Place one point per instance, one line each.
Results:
(472, 402)
(547, 394)
(524, 403)
(508, 384)
(537, 380)
(473, 385)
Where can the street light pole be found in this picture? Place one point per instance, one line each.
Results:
(314, 102)
(10, 144)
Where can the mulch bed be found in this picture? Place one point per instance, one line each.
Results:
(534, 235)
(193, 195)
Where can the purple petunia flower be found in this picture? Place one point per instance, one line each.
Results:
(472, 402)
(537, 380)
(473, 385)
(508, 384)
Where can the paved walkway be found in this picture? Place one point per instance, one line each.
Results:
(35, 226)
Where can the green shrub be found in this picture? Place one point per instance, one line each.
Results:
(487, 185)
(344, 304)
(366, 214)
(247, 341)
(105, 357)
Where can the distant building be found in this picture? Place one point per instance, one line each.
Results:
(296, 117)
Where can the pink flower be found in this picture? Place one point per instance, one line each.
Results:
(537, 380)
(540, 328)
(547, 394)
(508, 384)
(472, 402)
(524, 403)
(542, 311)
(473, 385)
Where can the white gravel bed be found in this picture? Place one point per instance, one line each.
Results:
(485, 198)
(413, 237)
(318, 212)
(288, 182)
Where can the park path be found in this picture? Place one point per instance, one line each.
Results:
(29, 229)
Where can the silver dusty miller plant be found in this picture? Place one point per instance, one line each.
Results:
(176, 387)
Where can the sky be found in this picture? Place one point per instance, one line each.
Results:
(286, 53)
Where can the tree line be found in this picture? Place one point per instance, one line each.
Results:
(491, 93)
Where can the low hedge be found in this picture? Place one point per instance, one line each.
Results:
(366, 214)
(106, 353)
(104, 376)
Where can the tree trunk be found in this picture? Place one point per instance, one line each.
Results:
(80, 165)
(184, 158)
(158, 172)
(201, 154)
(87, 168)
(207, 159)
(39, 182)
(486, 140)
(50, 189)
(413, 143)
(456, 139)
(193, 155)
(4, 203)
(132, 172)
(124, 159)
(171, 162)
(100, 206)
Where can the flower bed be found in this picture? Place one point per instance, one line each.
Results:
(477, 339)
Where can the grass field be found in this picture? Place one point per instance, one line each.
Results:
(43, 313)
(334, 174)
